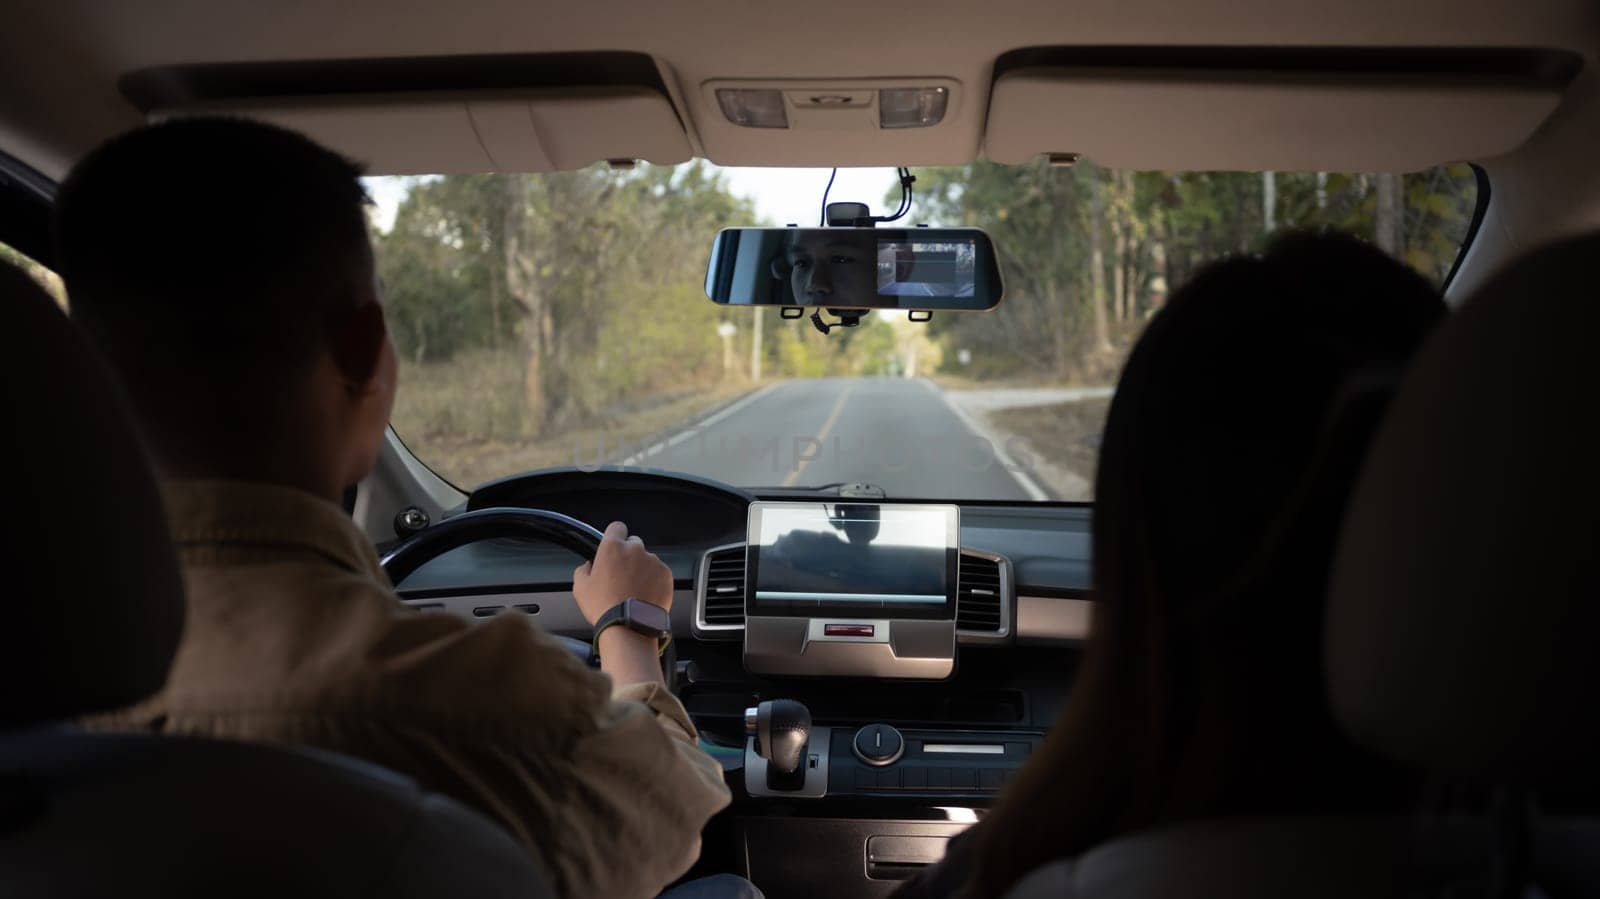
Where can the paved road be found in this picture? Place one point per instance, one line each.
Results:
(903, 436)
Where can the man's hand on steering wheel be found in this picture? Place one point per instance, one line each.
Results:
(621, 569)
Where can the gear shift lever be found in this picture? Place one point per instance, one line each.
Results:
(782, 727)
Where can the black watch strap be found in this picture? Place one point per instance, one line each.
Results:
(622, 614)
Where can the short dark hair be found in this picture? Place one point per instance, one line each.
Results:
(207, 253)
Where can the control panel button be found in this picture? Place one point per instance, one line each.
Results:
(879, 744)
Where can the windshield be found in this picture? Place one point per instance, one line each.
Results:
(561, 319)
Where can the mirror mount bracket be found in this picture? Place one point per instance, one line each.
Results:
(848, 318)
(849, 215)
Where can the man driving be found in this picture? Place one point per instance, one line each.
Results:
(832, 268)
(852, 269)
(225, 269)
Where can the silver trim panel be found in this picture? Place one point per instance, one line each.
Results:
(1007, 596)
(964, 748)
(1047, 620)
(914, 650)
(815, 633)
(1009, 604)
(557, 611)
(701, 628)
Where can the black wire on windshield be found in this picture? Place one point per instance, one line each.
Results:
(825, 191)
(906, 180)
(905, 197)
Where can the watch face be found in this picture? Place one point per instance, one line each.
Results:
(647, 617)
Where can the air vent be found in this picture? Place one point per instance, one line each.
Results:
(722, 593)
(980, 597)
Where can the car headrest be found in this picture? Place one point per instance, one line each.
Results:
(1465, 596)
(94, 601)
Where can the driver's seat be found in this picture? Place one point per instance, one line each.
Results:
(94, 610)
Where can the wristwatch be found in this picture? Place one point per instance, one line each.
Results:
(638, 616)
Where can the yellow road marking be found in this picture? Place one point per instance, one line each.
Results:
(827, 426)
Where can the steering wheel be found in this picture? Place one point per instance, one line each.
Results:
(488, 524)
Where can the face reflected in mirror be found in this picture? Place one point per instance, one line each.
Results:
(823, 266)
(855, 268)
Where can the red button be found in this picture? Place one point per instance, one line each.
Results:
(848, 630)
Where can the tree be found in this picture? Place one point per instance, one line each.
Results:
(603, 270)
(1076, 298)
(1097, 262)
(1389, 216)
(574, 297)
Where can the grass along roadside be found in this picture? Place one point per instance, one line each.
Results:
(1062, 442)
(462, 419)
(467, 462)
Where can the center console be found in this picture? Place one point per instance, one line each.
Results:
(920, 787)
(851, 590)
(885, 701)
(786, 756)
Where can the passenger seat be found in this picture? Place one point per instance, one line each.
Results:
(1461, 633)
(1464, 611)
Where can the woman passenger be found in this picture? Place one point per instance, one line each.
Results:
(1200, 694)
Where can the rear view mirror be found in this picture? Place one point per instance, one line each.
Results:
(942, 269)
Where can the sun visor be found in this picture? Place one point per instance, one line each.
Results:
(528, 131)
(1178, 120)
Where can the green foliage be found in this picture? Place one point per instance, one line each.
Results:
(46, 278)
(476, 395)
(870, 348)
(594, 278)
(437, 265)
(1155, 229)
(800, 355)
(529, 304)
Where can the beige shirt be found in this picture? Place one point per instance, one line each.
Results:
(294, 635)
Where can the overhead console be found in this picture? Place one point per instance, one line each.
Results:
(850, 589)
(915, 120)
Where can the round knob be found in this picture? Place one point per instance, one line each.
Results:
(879, 744)
(410, 520)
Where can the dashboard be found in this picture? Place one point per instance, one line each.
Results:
(1020, 607)
(898, 758)
(1024, 567)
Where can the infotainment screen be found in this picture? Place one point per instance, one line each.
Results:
(852, 560)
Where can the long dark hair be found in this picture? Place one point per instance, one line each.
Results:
(1200, 693)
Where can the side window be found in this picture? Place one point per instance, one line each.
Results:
(46, 278)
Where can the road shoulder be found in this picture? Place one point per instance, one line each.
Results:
(1011, 419)
(999, 442)
(671, 437)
